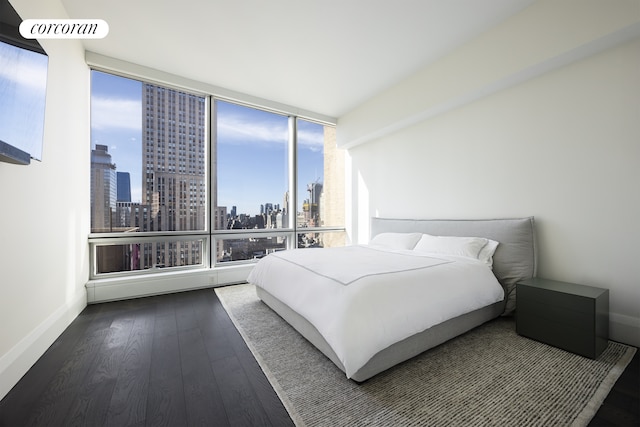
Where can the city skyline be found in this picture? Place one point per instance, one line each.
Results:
(249, 157)
(251, 146)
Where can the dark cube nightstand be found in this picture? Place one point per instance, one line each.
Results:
(566, 315)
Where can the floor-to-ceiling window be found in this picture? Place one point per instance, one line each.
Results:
(183, 180)
(252, 183)
(320, 186)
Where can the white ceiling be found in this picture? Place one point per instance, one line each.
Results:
(325, 56)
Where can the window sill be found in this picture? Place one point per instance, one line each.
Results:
(157, 283)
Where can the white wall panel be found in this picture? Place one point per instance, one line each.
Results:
(45, 214)
(564, 147)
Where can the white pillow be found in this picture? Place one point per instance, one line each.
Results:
(396, 240)
(486, 253)
(473, 247)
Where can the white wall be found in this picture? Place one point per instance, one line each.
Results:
(44, 217)
(562, 145)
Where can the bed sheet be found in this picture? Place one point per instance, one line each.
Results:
(363, 299)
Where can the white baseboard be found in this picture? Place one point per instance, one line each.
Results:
(113, 289)
(624, 329)
(19, 359)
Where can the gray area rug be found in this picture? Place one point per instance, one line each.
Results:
(488, 376)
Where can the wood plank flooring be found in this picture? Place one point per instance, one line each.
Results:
(177, 360)
(169, 360)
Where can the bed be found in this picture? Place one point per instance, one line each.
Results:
(370, 307)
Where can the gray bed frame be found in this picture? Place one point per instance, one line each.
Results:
(515, 259)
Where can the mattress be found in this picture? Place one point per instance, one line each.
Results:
(515, 259)
(363, 299)
(395, 353)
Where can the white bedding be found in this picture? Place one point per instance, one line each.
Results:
(363, 299)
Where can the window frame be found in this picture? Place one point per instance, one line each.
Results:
(209, 235)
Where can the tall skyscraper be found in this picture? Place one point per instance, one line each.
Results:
(333, 196)
(174, 158)
(123, 202)
(173, 165)
(124, 186)
(103, 189)
(312, 211)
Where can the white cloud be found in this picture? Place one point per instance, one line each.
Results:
(235, 129)
(109, 113)
(314, 141)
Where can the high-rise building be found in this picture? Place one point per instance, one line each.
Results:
(312, 207)
(124, 186)
(103, 189)
(333, 196)
(123, 200)
(173, 160)
(173, 168)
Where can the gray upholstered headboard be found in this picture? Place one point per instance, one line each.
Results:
(515, 258)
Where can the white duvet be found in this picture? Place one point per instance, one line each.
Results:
(363, 299)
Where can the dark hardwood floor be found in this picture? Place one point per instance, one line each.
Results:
(177, 360)
(169, 360)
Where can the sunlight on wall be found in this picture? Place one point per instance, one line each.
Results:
(362, 197)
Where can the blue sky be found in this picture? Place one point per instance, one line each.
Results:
(252, 145)
(23, 82)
